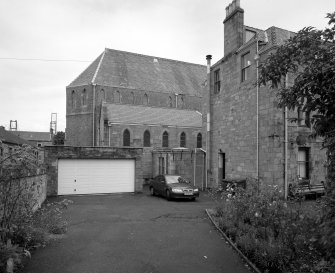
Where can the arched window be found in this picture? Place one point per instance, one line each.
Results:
(199, 140)
(102, 95)
(146, 139)
(118, 97)
(182, 139)
(126, 138)
(170, 102)
(182, 102)
(73, 99)
(112, 96)
(145, 99)
(132, 98)
(165, 139)
(84, 97)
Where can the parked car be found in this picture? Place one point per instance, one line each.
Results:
(173, 186)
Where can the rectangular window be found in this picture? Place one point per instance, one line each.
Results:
(303, 163)
(217, 82)
(303, 118)
(245, 65)
(161, 165)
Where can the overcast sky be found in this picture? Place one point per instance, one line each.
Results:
(79, 30)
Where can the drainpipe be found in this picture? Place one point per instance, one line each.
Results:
(176, 95)
(257, 113)
(93, 113)
(285, 146)
(194, 165)
(208, 137)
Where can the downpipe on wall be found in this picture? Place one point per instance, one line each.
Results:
(208, 118)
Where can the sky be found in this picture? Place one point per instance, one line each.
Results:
(46, 44)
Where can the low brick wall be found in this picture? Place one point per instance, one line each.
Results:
(54, 153)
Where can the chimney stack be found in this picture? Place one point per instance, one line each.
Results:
(233, 27)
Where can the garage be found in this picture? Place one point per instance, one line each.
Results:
(94, 176)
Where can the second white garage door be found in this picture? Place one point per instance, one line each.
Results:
(89, 176)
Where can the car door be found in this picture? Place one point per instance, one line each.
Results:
(155, 184)
(161, 184)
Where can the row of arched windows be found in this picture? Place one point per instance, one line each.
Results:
(114, 97)
(83, 98)
(165, 139)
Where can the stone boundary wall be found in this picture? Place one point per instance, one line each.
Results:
(38, 186)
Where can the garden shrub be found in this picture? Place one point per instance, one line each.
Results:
(277, 236)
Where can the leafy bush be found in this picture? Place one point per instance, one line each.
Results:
(277, 236)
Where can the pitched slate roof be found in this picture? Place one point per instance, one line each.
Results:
(10, 138)
(142, 115)
(33, 136)
(135, 71)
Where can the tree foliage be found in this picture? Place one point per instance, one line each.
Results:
(59, 138)
(309, 56)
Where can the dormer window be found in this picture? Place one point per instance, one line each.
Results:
(245, 65)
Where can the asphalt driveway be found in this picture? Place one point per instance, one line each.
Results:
(137, 234)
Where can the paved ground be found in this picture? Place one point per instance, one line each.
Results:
(137, 234)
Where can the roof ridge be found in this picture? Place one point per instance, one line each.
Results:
(98, 67)
(166, 59)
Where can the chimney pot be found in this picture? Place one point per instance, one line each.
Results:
(208, 57)
(233, 5)
(238, 3)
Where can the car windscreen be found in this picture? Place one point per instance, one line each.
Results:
(171, 179)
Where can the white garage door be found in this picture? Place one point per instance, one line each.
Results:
(88, 176)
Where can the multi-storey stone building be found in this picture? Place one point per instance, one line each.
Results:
(248, 135)
(130, 100)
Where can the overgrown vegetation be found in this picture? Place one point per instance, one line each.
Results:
(22, 229)
(275, 235)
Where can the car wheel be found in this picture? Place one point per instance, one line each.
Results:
(152, 191)
(168, 195)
